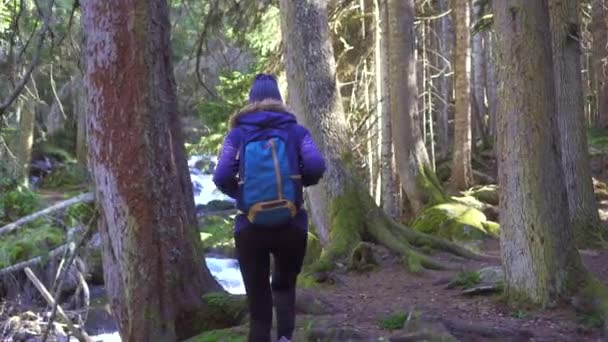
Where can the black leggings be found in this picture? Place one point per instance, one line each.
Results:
(254, 246)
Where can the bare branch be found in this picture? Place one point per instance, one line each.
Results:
(26, 77)
(79, 334)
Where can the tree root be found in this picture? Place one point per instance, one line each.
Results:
(357, 219)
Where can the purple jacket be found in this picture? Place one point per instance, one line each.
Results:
(272, 114)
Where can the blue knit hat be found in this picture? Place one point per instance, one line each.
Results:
(264, 87)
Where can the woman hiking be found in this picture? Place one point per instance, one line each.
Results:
(266, 160)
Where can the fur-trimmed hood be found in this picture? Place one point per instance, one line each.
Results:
(267, 112)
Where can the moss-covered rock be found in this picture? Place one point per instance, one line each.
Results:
(485, 193)
(223, 310)
(455, 221)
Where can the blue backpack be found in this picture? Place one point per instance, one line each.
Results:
(269, 190)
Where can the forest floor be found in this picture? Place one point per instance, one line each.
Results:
(364, 302)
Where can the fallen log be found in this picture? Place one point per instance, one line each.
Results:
(35, 261)
(84, 198)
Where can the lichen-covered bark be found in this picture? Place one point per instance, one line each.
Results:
(462, 172)
(537, 243)
(565, 26)
(154, 270)
(410, 153)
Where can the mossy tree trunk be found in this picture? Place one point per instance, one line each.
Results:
(416, 175)
(342, 210)
(153, 265)
(540, 258)
(462, 172)
(565, 28)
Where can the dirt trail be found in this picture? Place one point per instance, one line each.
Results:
(361, 300)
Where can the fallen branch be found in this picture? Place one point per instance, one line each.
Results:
(84, 198)
(63, 271)
(32, 262)
(80, 335)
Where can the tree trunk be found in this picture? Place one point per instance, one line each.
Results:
(153, 265)
(414, 169)
(565, 24)
(491, 85)
(342, 209)
(539, 254)
(390, 188)
(80, 113)
(462, 172)
(599, 31)
(477, 83)
(27, 122)
(443, 140)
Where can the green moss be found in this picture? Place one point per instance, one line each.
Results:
(313, 249)
(217, 232)
(427, 180)
(306, 281)
(597, 294)
(485, 193)
(224, 335)
(393, 322)
(80, 213)
(492, 228)
(347, 224)
(220, 310)
(35, 240)
(413, 262)
(466, 279)
(58, 153)
(362, 258)
(469, 201)
(454, 221)
(598, 141)
(17, 203)
(68, 175)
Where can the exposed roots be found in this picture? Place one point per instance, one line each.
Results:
(356, 219)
